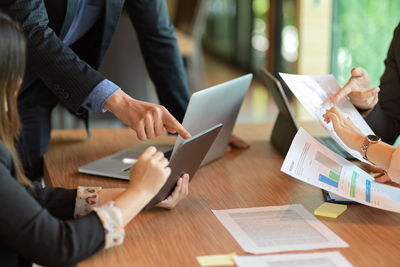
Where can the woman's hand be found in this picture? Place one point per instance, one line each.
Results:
(379, 174)
(345, 128)
(358, 90)
(149, 173)
(180, 192)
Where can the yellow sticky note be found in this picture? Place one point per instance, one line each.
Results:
(331, 210)
(217, 260)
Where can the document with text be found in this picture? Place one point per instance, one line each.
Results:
(314, 92)
(323, 259)
(277, 228)
(313, 163)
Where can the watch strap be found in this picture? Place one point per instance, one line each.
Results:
(366, 144)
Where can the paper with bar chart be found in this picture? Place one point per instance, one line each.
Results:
(314, 92)
(311, 162)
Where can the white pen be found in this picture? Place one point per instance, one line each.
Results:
(128, 161)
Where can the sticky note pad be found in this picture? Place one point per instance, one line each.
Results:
(216, 260)
(331, 210)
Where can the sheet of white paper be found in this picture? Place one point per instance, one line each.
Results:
(278, 228)
(314, 92)
(313, 163)
(323, 259)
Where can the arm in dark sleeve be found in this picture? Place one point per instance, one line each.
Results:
(385, 118)
(161, 53)
(60, 202)
(63, 72)
(30, 230)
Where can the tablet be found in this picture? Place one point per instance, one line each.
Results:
(187, 159)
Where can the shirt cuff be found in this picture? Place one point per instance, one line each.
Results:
(100, 94)
(394, 168)
(111, 218)
(86, 199)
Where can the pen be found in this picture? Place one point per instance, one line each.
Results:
(128, 161)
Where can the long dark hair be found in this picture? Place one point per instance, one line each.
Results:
(12, 67)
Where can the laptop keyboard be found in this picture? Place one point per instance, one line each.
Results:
(167, 154)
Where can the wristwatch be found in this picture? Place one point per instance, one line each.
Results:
(369, 139)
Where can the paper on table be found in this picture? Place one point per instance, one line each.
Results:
(313, 163)
(216, 260)
(323, 259)
(278, 228)
(314, 92)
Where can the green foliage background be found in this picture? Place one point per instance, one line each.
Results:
(362, 31)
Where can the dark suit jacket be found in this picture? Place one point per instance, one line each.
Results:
(70, 72)
(385, 118)
(36, 224)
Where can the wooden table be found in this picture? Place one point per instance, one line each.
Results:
(241, 179)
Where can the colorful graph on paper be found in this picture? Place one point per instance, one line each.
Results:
(333, 170)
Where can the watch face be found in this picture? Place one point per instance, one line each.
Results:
(373, 138)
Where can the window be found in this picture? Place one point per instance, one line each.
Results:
(362, 31)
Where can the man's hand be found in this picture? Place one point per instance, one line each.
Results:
(236, 142)
(147, 119)
(358, 90)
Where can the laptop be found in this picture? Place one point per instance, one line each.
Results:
(286, 126)
(217, 104)
(206, 108)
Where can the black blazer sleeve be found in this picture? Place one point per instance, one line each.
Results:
(62, 71)
(385, 118)
(161, 53)
(34, 233)
(59, 202)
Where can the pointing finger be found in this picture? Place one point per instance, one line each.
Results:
(172, 125)
(341, 94)
(358, 71)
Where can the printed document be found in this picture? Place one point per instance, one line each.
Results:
(277, 228)
(314, 92)
(323, 259)
(313, 163)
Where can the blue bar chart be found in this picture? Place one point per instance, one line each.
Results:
(333, 176)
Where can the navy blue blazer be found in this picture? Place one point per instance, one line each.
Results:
(70, 72)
